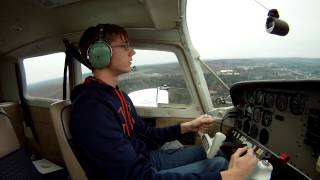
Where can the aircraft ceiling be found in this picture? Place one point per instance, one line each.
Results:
(26, 21)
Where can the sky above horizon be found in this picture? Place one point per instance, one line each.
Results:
(222, 29)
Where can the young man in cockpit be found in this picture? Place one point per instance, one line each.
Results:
(108, 133)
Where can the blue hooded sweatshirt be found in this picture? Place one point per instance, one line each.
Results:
(108, 145)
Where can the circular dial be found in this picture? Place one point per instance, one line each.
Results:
(266, 118)
(269, 99)
(297, 104)
(257, 114)
(259, 97)
(282, 102)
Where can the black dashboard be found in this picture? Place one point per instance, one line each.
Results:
(281, 120)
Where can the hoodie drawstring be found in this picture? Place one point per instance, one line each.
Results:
(125, 112)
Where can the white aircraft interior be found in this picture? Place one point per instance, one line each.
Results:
(269, 103)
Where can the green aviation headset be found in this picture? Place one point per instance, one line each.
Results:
(99, 53)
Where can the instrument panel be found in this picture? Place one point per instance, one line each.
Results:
(283, 117)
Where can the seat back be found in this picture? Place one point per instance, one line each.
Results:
(60, 113)
(14, 111)
(14, 161)
(8, 139)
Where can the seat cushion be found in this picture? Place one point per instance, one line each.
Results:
(18, 166)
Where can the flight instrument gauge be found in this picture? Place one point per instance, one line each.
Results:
(257, 114)
(282, 102)
(297, 104)
(266, 118)
(250, 97)
(248, 110)
(259, 97)
(269, 99)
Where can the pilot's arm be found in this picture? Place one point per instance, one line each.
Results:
(106, 152)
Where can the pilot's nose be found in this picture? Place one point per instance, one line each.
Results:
(132, 52)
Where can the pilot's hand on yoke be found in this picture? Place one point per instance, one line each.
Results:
(200, 124)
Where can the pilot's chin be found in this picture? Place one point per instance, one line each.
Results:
(127, 70)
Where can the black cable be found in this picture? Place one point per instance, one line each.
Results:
(24, 105)
(261, 5)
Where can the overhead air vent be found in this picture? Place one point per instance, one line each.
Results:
(53, 3)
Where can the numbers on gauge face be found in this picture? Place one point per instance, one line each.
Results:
(269, 99)
(266, 118)
(297, 104)
(259, 97)
(282, 102)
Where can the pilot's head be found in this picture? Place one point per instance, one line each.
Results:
(107, 46)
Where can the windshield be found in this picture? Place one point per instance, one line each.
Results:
(231, 38)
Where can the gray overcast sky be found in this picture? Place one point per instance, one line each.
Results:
(222, 29)
(236, 28)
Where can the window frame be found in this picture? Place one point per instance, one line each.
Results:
(172, 110)
(30, 100)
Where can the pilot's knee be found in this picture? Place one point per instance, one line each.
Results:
(218, 163)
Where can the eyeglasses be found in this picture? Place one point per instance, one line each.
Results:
(125, 46)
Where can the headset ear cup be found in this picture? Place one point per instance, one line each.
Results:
(99, 54)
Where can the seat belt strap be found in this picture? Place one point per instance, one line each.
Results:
(24, 106)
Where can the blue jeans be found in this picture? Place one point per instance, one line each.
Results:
(186, 160)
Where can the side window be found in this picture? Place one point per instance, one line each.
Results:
(44, 75)
(85, 72)
(219, 94)
(156, 80)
